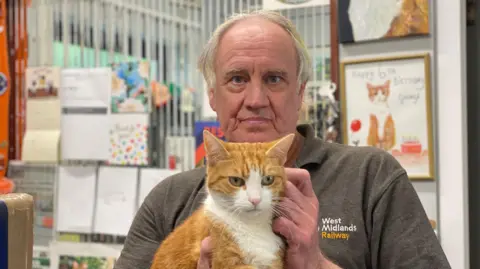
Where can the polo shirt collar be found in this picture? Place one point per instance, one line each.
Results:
(312, 145)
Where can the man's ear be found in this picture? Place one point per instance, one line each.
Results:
(280, 148)
(211, 98)
(301, 94)
(214, 148)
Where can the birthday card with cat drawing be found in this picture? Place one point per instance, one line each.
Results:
(387, 105)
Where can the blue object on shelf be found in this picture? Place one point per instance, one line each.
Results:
(3, 235)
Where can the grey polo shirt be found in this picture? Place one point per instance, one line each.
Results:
(370, 215)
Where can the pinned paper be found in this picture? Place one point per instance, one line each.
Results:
(130, 87)
(85, 102)
(86, 87)
(76, 188)
(41, 146)
(43, 114)
(129, 139)
(116, 200)
(42, 82)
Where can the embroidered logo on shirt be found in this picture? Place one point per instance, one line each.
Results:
(335, 228)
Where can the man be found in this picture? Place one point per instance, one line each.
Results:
(349, 207)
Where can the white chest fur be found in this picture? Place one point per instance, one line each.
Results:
(254, 236)
(381, 113)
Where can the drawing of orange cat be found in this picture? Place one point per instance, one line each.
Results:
(381, 133)
(245, 183)
(413, 19)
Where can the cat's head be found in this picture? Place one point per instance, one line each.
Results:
(378, 93)
(246, 177)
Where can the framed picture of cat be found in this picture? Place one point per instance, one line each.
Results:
(386, 103)
(366, 20)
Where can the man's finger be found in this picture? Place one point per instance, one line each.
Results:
(288, 230)
(292, 193)
(301, 179)
(290, 209)
(204, 262)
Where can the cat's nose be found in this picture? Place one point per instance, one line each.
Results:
(254, 201)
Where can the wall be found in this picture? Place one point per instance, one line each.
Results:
(447, 198)
(411, 45)
(450, 44)
(473, 82)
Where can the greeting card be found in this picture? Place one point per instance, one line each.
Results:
(130, 87)
(129, 139)
(42, 82)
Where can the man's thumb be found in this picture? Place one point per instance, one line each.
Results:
(205, 254)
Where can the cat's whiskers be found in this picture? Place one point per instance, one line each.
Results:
(279, 213)
(282, 208)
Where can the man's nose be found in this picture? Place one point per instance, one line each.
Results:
(256, 96)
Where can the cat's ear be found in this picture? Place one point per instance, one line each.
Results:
(280, 148)
(369, 86)
(214, 149)
(387, 83)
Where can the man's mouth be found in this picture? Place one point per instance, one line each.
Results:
(255, 120)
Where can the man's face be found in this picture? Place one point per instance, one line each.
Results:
(256, 94)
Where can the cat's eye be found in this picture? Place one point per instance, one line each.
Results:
(236, 181)
(267, 180)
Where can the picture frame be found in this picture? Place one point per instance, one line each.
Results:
(386, 103)
(471, 12)
(374, 20)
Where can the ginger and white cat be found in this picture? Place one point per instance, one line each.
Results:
(245, 183)
(381, 133)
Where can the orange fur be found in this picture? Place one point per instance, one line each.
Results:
(387, 140)
(413, 19)
(181, 249)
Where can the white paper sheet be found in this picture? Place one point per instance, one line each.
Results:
(371, 19)
(42, 114)
(85, 113)
(292, 4)
(116, 200)
(86, 87)
(85, 137)
(41, 146)
(76, 189)
(149, 178)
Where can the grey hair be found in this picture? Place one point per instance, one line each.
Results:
(206, 62)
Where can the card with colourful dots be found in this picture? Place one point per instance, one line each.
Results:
(129, 139)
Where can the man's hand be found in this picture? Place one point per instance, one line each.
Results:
(205, 254)
(298, 222)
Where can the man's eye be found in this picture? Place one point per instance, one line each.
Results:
(238, 80)
(274, 79)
